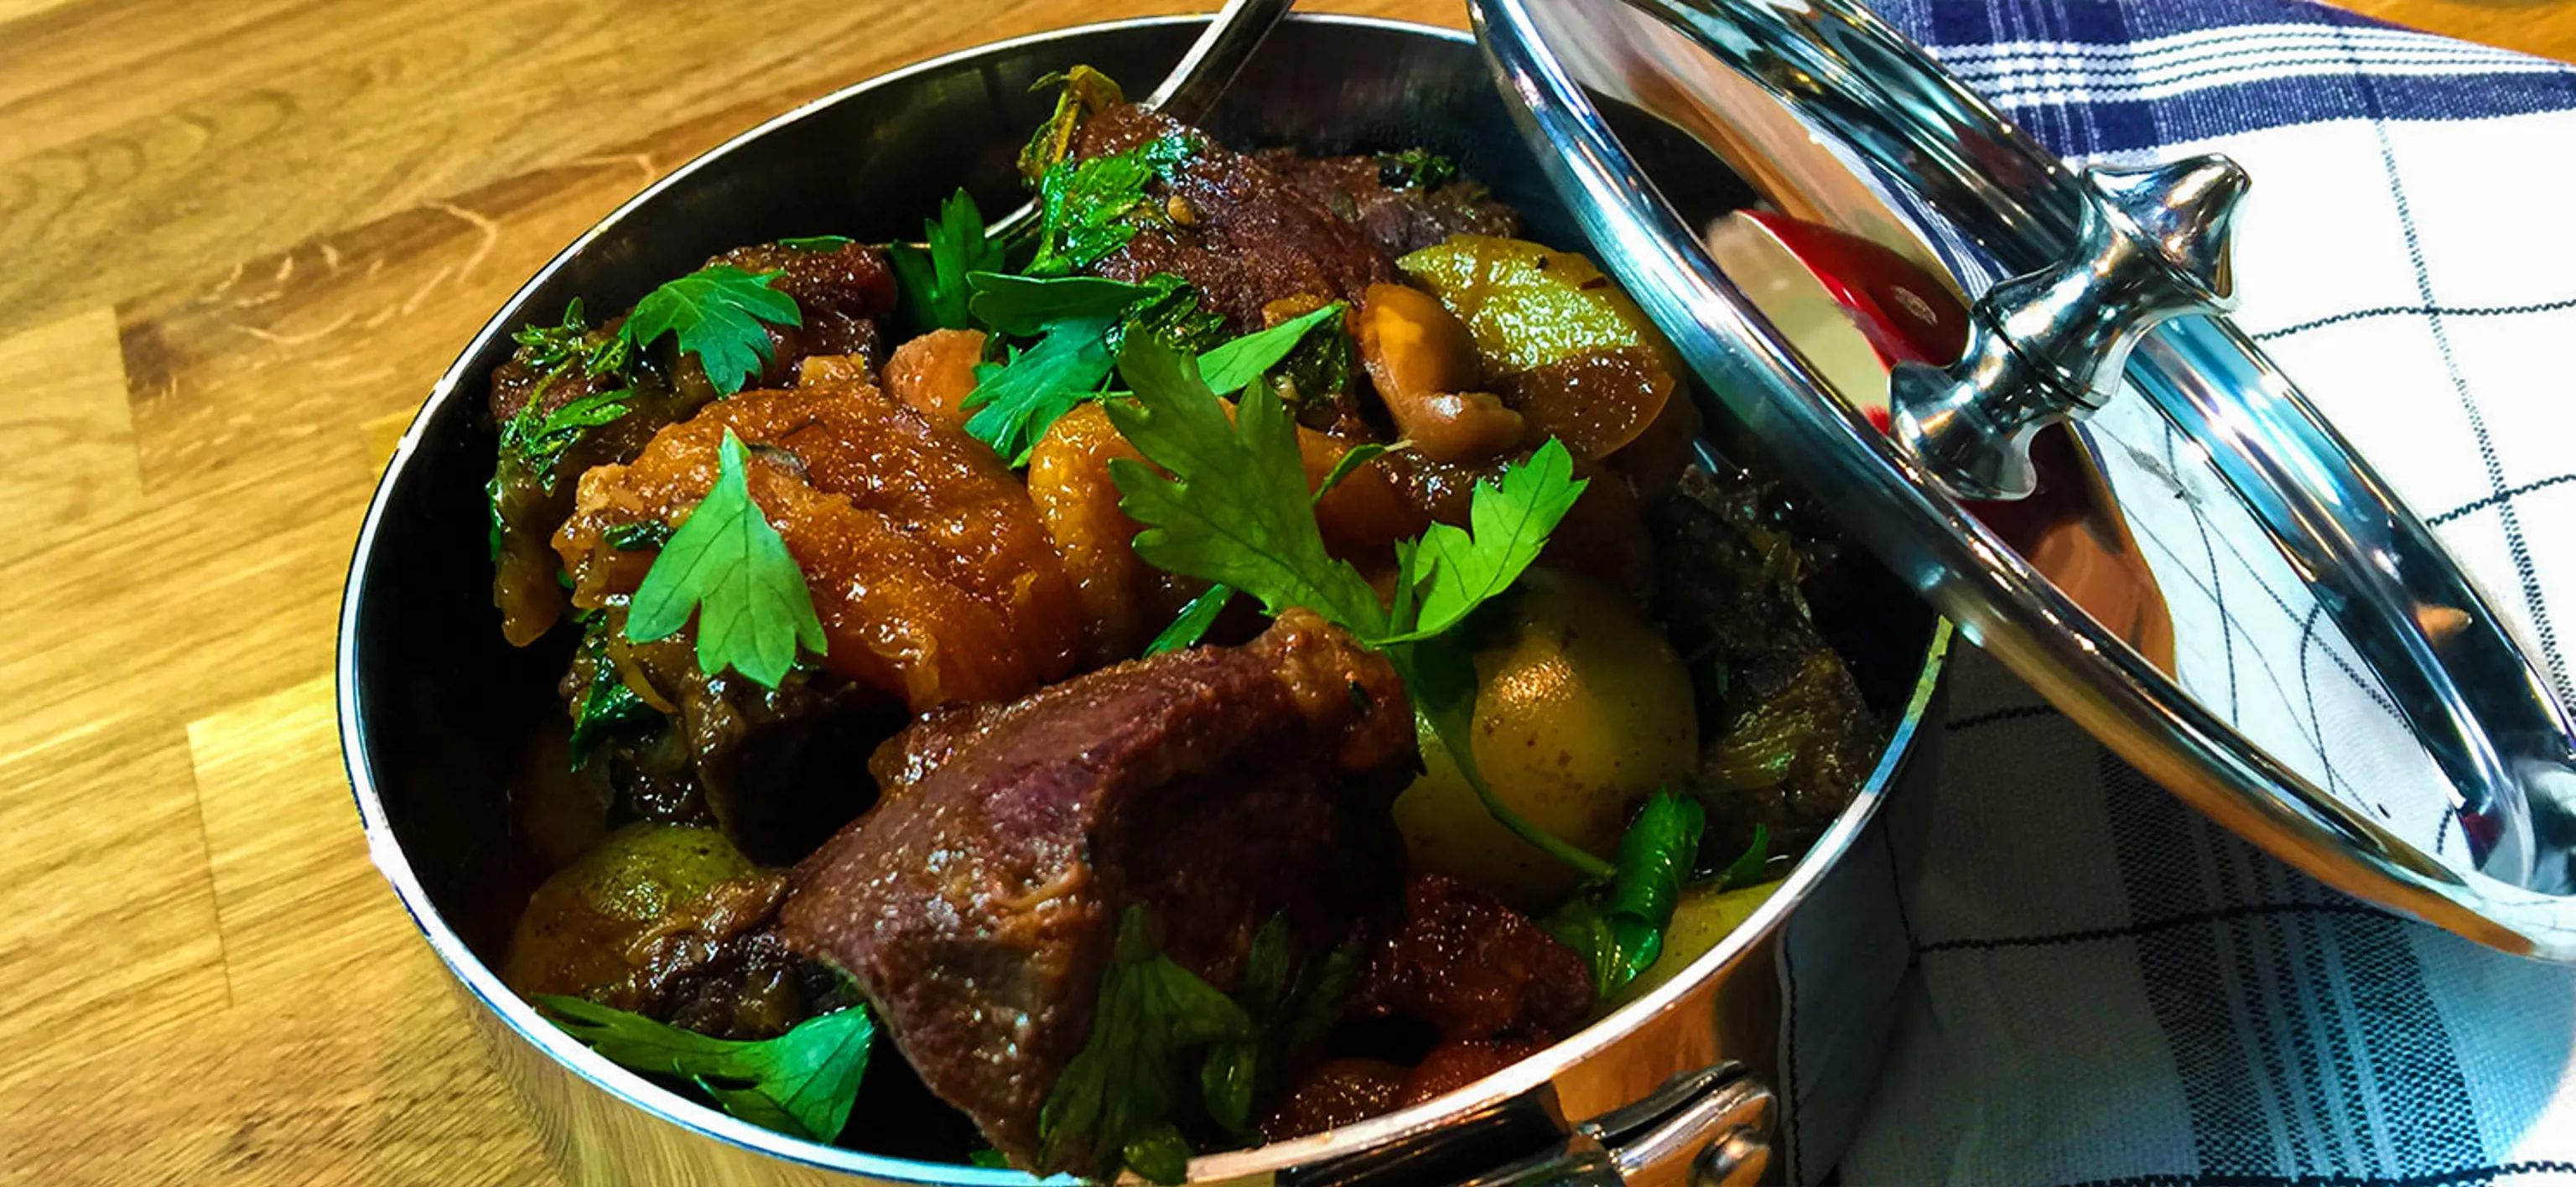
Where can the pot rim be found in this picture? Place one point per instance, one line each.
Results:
(484, 985)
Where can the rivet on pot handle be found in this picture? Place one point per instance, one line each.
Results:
(2051, 346)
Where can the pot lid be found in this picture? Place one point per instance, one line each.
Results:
(2369, 718)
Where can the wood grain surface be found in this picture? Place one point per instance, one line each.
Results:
(238, 242)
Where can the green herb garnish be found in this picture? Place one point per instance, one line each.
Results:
(1749, 866)
(1235, 510)
(540, 440)
(1618, 926)
(1080, 91)
(717, 314)
(1026, 305)
(730, 567)
(816, 242)
(1084, 321)
(606, 704)
(639, 536)
(1291, 1007)
(1170, 310)
(1192, 623)
(555, 349)
(934, 281)
(1414, 168)
(1089, 209)
(1234, 365)
(801, 1083)
(1113, 1104)
(1015, 402)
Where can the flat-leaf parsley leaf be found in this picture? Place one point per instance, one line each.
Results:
(1113, 1104)
(729, 566)
(717, 313)
(934, 280)
(801, 1083)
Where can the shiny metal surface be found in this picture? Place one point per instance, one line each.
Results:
(2051, 346)
(435, 709)
(2499, 766)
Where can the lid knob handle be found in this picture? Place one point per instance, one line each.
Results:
(2050, 346)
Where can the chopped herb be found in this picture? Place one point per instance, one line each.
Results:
(1291, 1007)
(1080, 91)
(1319, 369)
(539, 440)
(1617, 926)
(817, 243)
(801, 1083)
(556, 349)
(1456, 569)
(1347, 464)
(606, 703)
(1171, 310)
(1236, 364)
(1235, 510)
(730, 567)
(639, 536)
(934, 281)
(989, 1158)
(716, 313)
(1414, 168)
(1015, 402)
(1193, 622)
(1749, 866)
(1027, 305)
(1113, 1105)
(1089, 209)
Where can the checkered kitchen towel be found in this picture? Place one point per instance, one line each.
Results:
(2089, 982)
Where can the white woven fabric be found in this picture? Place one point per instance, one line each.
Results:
(2098, 986)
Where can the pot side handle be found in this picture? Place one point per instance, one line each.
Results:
(1709, 1128)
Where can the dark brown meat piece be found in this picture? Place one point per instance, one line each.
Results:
(1473, 969)
(1334, 1093)
(1217, 787)
(1455, 1065)
(1234, 228)
(840, 295)
(1398, 219)
(1730, 590)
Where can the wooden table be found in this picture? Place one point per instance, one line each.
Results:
(238, 241)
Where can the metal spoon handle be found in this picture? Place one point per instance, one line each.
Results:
(1202, 74)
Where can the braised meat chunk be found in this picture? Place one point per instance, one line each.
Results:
(933, 579)
(1403, 201)
(1218, 788)
(1233, 228)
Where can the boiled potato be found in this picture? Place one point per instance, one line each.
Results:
(1528, 305)
(1702, 918)
(1581, 708)
(574, 936)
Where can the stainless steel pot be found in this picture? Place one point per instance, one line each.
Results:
(435, 708)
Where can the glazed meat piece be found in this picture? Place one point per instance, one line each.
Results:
(840, 295)
(1789, 738)
(1473, 969)
(1400, 217)
(1233, 227)
(777, 769)
(1218, 787)
(931, 574)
